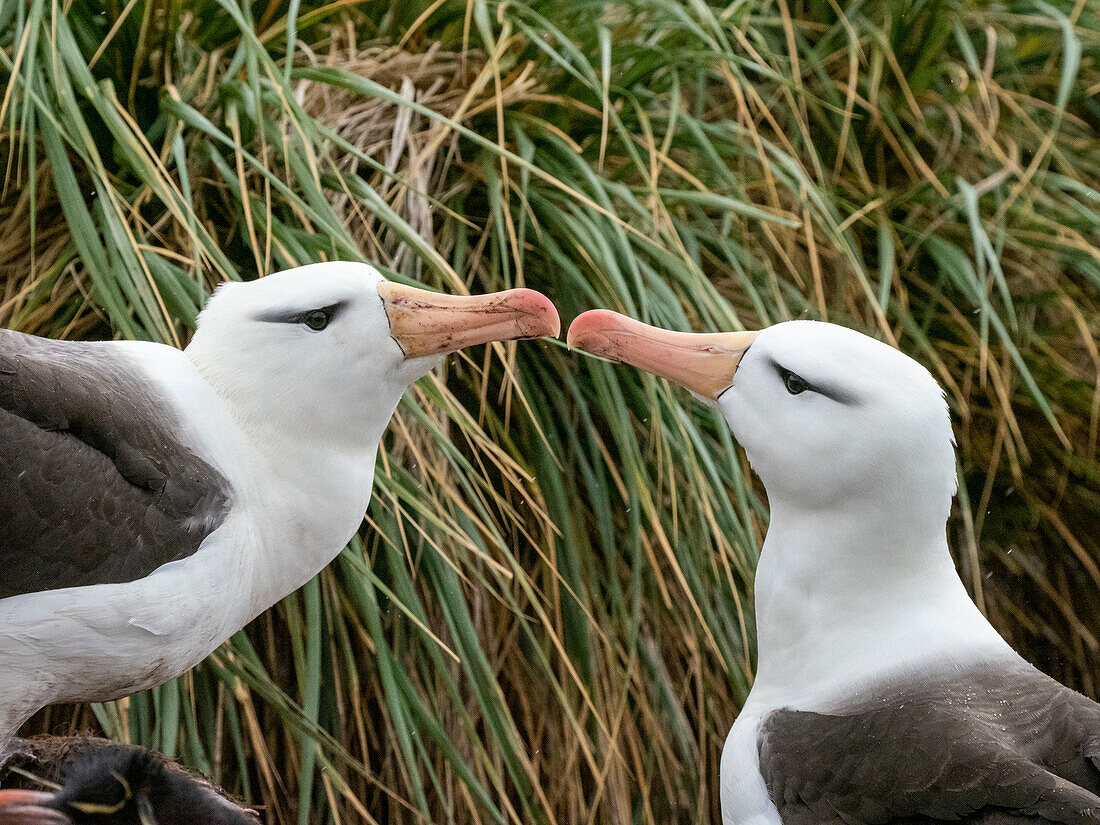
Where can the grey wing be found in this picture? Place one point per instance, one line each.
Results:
(95, 485)
(980, 748)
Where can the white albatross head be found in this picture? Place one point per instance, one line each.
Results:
(829, 418)
(310, 365)
(853, 442)
(328, 349)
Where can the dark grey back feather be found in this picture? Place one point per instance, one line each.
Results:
(95, 484)
(998, 747)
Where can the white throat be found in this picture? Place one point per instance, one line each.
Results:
(303, 481)
(306, 518)
(848, 598)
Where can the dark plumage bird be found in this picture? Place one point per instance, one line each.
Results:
(882, 695)
(100, 782)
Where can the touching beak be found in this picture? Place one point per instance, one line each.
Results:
(429, 323)
(702, 362)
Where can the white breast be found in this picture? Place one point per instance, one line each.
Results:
(103, 641)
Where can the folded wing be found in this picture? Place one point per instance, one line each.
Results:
(95, 484)
(989, 747)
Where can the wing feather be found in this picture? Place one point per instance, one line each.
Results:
(95, 485)
(989, 747)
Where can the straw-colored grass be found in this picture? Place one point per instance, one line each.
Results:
(547, 617)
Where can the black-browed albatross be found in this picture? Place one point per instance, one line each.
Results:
(882, 695)
(153, 501)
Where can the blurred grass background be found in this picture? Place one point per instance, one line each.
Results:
(547, 617)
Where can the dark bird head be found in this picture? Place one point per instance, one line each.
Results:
(105, 783)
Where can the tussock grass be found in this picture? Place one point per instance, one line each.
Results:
(548, 617)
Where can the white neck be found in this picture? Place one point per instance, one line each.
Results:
(309, 508)
(305, 472)
(845, 598)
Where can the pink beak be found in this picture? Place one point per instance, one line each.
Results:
(429, 323)
(702, 362)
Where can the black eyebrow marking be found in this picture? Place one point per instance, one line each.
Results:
(298, 316)
(835, 393)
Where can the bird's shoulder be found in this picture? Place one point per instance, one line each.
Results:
(97, 482)
(989, 746)
(96, 392)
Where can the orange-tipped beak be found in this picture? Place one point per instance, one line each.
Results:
(19, 807)
(702, 362)
(428, 323)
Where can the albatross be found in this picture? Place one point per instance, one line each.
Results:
(153, 501)
(882, 694)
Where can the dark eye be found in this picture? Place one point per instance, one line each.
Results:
(316, 320)
(795, 384)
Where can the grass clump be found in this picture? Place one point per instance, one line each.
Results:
(548, 616)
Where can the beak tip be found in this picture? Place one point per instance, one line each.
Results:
(22, 807)
(542, 312)
(590, 326)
